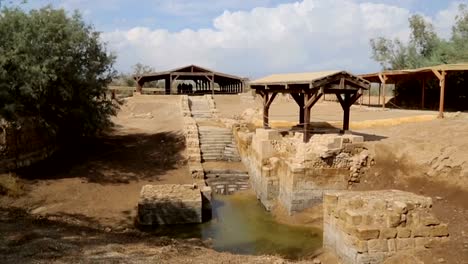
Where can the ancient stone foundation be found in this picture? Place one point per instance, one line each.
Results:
(284, 169)
(170, 204)
(368, 227)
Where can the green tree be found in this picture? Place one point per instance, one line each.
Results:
(54, 67)
(424, 48)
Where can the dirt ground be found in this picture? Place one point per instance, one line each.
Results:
(79, 206)
(431, 159)
(99, 180)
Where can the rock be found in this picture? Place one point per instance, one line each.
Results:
(107, 229)
(441, 260)
(316, 261)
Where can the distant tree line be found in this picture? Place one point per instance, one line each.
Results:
(126, 79)
(426, 48)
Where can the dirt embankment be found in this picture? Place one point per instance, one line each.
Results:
(428, 158)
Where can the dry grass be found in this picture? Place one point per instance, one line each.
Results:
(10, 185)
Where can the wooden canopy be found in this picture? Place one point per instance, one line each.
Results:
(307, 89)
(203, 78)
(439, 72)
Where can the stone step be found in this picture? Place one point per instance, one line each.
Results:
(210, 142)
(228, 171)
(204, 144)
(214, 132)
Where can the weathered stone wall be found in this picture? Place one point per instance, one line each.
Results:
(169, 204)
(296, 174)
(24, 143)
(212, 104)
(192, 140)
(368, 227)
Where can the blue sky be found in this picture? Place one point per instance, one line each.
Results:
(253, 37)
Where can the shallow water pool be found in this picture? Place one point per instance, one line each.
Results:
(241, 225)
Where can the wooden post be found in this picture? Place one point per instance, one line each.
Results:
(423, 91)
(170, 84)
(299, 98)
(346, 113)
(167, 86)
(266, 106)
(370, 88)
(212, 85)
(306, 118)
(441, 76)
(383, 79)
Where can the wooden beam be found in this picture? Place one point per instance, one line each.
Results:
(342, 83)
(354, 98)
(441, 76)
(423, 92)
(383, 80)
(346, 113)
(306, 119)
(313, 99)
(299, 99)
(266, 109)
(340, 99)
(193, 73)
(270, 100)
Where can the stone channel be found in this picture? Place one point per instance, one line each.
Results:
(218, 149)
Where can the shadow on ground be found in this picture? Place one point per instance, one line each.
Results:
(26, 239)
(113, 159)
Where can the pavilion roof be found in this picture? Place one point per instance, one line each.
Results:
(374, 77)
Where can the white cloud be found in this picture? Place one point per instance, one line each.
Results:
(302, 36)
(445, 19)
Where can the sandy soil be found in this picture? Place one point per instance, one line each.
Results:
(428, 158)
(99, 181)
(285, 109)
(80, 205)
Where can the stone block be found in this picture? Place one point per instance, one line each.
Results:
(377, 245)
(404, 243)
(428, 219)
(403, 232)
(367, 233)
(439, 230)
(391, 243)
(267, 134)
(353, 217)
(374, 258)
(352, 241)
(169, 204)
(393, 219)
(387, 233)
(422, 231)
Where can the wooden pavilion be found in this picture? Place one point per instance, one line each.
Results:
(423, 74)
(204, 80)
(307, 88)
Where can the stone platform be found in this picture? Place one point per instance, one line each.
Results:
(368, 227)
(169, 204)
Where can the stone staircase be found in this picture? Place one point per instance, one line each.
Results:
(200, 108)
(217, 144)
(227, 181)
(224, 172)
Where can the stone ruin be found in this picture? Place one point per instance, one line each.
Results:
(284, 169)
(169, 204)
(368, 227)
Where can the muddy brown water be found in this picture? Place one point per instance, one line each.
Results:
(241, 225)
